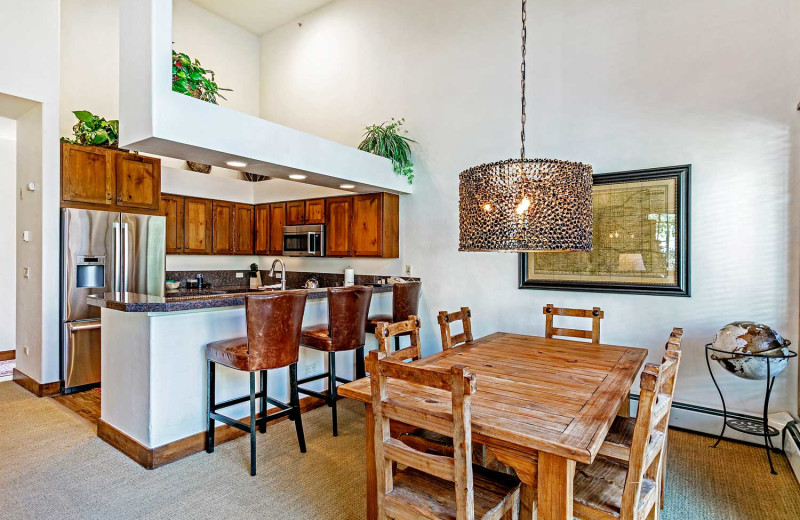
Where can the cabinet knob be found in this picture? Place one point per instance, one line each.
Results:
(108, 196)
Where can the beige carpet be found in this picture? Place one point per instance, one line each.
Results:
(52, 466)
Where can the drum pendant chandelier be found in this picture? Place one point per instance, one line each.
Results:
(521, 205)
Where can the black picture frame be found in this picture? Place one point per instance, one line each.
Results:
(682, 287)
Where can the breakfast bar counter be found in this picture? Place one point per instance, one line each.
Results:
(153, 365)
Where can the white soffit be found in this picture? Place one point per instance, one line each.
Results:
(260, 16)
(154, 119)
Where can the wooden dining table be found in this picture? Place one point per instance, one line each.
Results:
(542, 406)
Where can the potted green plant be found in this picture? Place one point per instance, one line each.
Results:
(190, 78)
(94, 130)
(387, 140)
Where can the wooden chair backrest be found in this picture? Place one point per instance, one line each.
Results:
(461, 385)
(446, 319)
(384, 332)
(595, 314)
(657, 385)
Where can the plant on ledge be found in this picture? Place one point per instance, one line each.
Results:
(94, 130)
(190, 78)
(387, 140)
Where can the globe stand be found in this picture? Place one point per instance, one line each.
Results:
(742, 423)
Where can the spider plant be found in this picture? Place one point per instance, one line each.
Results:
(387, 140)
(190, 78)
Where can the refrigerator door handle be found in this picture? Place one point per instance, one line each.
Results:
(125, 266)
(117, 257)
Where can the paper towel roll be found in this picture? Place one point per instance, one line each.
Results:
(349, 277)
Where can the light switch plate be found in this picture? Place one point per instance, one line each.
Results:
(408, 269)
(239, 275)
(26, 272)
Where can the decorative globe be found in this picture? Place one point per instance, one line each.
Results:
(750, 338)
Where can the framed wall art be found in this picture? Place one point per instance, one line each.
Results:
(640, 239)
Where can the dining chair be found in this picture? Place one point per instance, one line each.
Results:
(384, 332)
(609, 488)
(618, 442)
(433, 486)
(595, 314)
(447, 319)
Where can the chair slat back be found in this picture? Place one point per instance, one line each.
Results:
(384, 332)
(595, 314)
(446, 319)
(657, 384)
(460, 383)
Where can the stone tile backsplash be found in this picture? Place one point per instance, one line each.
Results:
(294, 279)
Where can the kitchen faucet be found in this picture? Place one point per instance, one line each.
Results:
(283, 272)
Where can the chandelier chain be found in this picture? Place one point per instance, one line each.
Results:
(522, 72)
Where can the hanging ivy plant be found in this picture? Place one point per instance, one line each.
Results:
(387, 140)
(190, 78)
(94, 130)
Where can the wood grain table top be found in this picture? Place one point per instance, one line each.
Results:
(552, 395)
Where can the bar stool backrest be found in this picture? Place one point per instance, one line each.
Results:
(405, 300)
(348, 309)
(274, 322)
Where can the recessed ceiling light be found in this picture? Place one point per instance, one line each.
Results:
(297, 176)
(236, 164)
(347, 186)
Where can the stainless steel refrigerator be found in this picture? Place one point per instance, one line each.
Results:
(102, 252)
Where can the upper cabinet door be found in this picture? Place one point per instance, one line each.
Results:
(315, 211)
(262, 229)
(197, 218)
(87, 175)
(367, 224)
(295, 213)
(172, 208)
(244, 229)
(277, 219)
(224, 232)
(339, 216)
(138, 181)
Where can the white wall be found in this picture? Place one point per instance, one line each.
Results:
(620, 85)
(90, 80)
(8, 215)
(29, 65)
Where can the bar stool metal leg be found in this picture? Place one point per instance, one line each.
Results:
(332, 390)
(360, 368)
(294, 402)
(210, 399)
(262, 427)
(252, 423)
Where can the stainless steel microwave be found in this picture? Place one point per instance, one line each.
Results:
(304, 240)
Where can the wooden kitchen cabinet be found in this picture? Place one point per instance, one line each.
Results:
(295, 213)
(243, 239)
(224, 228)
(87, 175)
(339, 226)
(197, 226)
(315, 211)
(94, 177)
(277, 219)
(172, 209)
(261, 233)
(363, 225)
(138, 181)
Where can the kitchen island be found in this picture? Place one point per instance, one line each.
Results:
(153, 366)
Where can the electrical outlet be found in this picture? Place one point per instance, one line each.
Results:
(26, 351)
(239, 275)
(408, 269)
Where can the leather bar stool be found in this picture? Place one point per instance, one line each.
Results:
(405, 303)
(348, 308)
(274, 322)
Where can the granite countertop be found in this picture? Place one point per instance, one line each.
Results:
(191, 299)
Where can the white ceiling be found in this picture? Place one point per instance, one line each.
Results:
(260, 16)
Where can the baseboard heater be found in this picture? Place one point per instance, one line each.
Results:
(789, 440)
